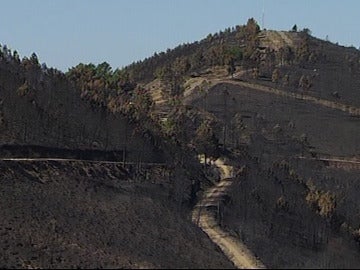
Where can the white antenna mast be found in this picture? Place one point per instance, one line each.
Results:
(263, 16)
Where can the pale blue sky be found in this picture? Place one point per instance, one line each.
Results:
(66, 32)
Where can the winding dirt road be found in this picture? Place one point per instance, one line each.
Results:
(204, 216)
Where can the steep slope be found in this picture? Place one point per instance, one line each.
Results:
(292, 61)
(294, 95)
(273, 212)
(329, 130)
(41, 107)
(94, 215)
(273, 124)
(310, 65)
(44, 114)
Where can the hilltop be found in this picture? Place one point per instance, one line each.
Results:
(277, 96)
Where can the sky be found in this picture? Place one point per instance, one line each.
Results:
(64, 33)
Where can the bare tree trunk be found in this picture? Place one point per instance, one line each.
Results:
(205, 162)
(124, 150)
(107, 140)
(124, 156)
(25, 132)
(141, 156)
(225, 92)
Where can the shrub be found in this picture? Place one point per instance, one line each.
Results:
(23, 90)
(323, 202)
(275, 76)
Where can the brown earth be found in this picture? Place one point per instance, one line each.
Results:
(84, 215)
(206, 216)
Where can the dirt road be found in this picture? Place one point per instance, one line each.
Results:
(337, 162)
(204, 215)
(355, 111)
(80, 160)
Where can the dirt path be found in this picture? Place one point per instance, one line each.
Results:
(289, 42)
(338, 162)
(79, 160)
(355, 111)
(212, 81)
(204, 215)
(334, 159)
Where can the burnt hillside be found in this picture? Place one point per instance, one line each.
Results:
(290, 60)
(39, 106)
(80, 215)
(100, 214)
(241, 95)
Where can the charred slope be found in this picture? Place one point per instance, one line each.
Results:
(43, 152)
(297, 215)
(293, 61)
(53, 216)
(83, 215)
(286, 221)
(279, 217)
(272, 122)
(41, 107)
(310, 65)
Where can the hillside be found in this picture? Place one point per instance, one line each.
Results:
(81, 215)
(40, 107)
(97, 148)
(46, 116)
(288, 95)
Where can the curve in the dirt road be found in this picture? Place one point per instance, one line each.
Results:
(204, 214)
